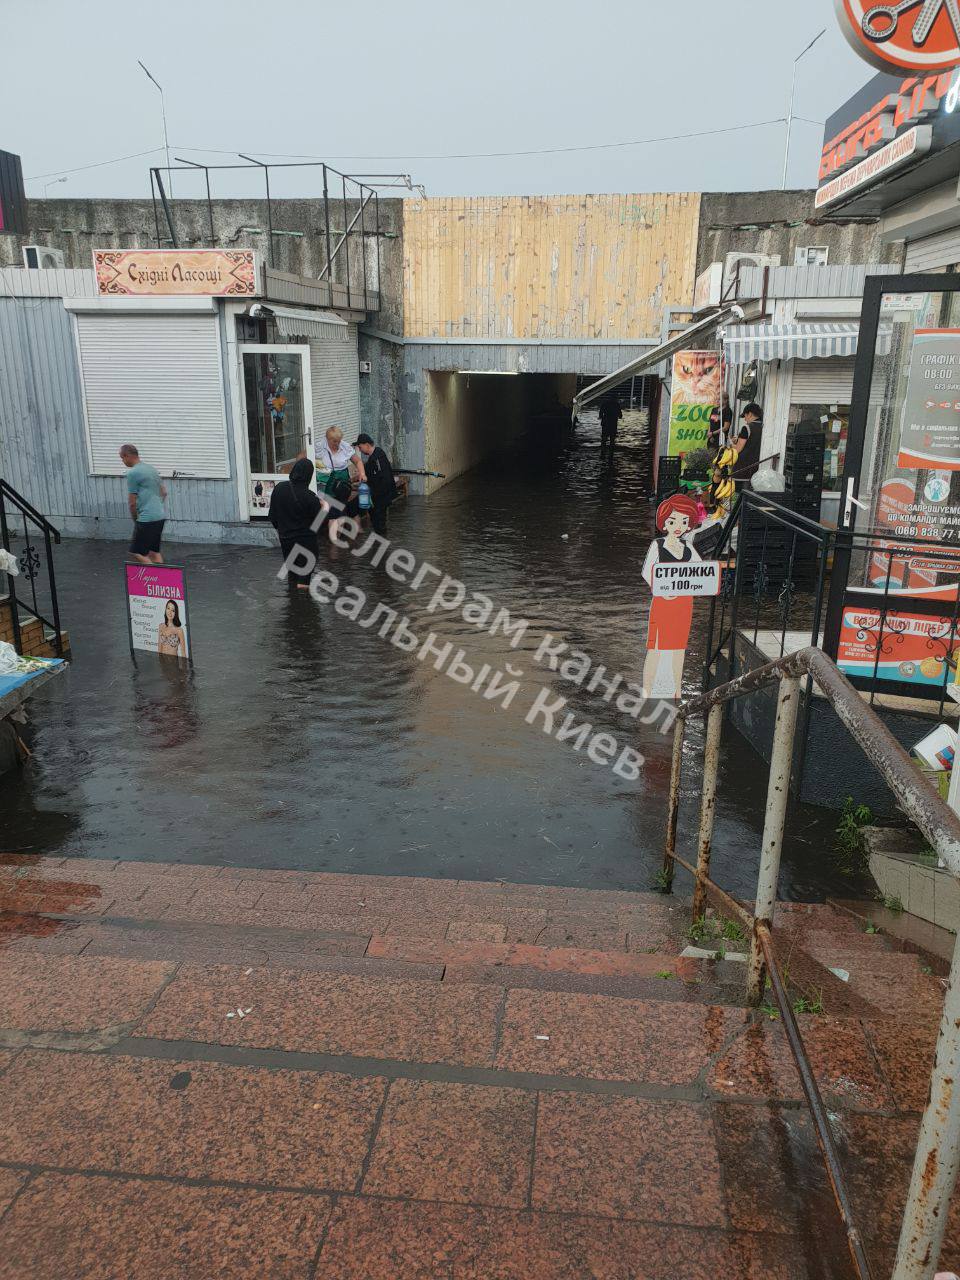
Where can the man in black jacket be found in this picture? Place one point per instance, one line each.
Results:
(383, 487)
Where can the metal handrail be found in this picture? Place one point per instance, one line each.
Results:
(937, 1157)
(51, 535)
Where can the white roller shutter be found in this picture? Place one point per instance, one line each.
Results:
(335, 382)
(154, 381)
(822, 381)
(933, 253)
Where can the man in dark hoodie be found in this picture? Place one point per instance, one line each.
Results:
(294, 513)
(383, 486)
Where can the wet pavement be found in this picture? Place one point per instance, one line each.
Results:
(302, 740)
(226, 1072)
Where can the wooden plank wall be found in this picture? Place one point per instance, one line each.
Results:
(579, 267)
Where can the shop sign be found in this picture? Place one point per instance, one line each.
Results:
(157, 610)
(930, 429)
(916, 142)
(13, 204)
(211, 273)
(694, 578)
(893, 35)
(913, 647)
(696, 389)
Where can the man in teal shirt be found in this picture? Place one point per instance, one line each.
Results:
(145, 495)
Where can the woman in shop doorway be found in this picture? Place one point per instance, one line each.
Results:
(170, 638)
(670, 616)
(295, 513)
(338, 456)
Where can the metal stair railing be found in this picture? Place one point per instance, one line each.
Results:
(12, 505)
(938, 1149)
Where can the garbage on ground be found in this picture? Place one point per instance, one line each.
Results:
(842, 974)
(938, 749)
(8, 564)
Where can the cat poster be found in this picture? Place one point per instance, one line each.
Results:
(697, 388)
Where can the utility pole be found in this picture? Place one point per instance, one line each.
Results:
(163, 114)
(793, 94)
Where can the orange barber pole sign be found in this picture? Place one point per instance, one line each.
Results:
(903, 35)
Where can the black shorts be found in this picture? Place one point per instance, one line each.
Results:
(146, 537)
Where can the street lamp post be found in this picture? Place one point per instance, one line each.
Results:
(163, 113)
(793, 94)
(48, 185)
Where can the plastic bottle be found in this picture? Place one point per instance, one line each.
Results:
(363, 496)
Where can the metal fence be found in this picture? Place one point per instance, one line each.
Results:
(938, 1149)
(36, 594)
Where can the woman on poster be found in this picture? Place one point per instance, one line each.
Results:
(670, 616)
(170, 638)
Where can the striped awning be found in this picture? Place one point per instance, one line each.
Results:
(747, 342)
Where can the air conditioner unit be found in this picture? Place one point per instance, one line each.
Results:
(39, 255)
(734, 267)
(366, 366)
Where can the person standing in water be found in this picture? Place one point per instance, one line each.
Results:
(338, 456)
(295, 513)
(383, 486)
(610, 415)
(146, 493)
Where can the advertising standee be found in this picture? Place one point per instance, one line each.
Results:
(157, 610)
(697, 388)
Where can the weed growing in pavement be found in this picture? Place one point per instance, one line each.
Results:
(849, 846)
(770, 1011)
(871, 927)
(709, 930)
(661, 881)
(892, 903)
(732, 931)
(663, 973)
(809, 1004)
(925, 968)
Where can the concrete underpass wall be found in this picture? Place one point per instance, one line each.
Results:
(467, 417)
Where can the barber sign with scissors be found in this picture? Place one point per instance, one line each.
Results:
(903, 35)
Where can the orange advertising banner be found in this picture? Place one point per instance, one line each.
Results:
(212, 273)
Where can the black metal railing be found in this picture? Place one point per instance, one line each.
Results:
(778, 595)
(29, 537)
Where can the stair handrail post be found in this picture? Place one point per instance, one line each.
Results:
(708, 806)
(937, 1160)
(778, 795)
(673, 807)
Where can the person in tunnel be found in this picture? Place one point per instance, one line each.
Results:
(610, 415)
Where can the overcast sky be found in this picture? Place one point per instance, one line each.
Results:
(380, 85)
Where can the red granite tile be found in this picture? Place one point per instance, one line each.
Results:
(605, 1038)
(877, 1155)
(11, 1180)
(393, 1240)
(894, 984)
(906, 1056)
(760, 1064)
(91, 1228)
(627, 1158)
(41, 933)
(773, 1174)
(187, 1119)
(6, 1058)
(476, 931)
(598, 933)
(72, 993)
(465, 1143)
(547, 959)
(624, 986)
(326, 1013)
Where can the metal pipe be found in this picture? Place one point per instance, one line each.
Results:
(363, 245)
(708, 806)
(346, 244)
(54, 603)
(938, 1150)
(326, 228)
(726, 902)
(156, 212)
(778, 794)
(673, 808)
(377, 207)
(821, 1119)
(166, 211)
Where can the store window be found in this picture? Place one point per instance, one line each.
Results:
(831, 421)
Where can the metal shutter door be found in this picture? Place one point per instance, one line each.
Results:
(932, 253)
(335, 383)
(822, 381)
(154, 381)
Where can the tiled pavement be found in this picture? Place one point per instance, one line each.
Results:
(209, 1072)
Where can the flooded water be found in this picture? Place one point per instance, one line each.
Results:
(302, 740)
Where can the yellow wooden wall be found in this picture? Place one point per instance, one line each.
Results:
(592, 266)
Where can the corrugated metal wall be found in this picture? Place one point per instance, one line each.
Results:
(43, 450)
(933, 253)
(586, 358)
(592, 266)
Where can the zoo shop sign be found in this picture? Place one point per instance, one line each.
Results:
(696, 389)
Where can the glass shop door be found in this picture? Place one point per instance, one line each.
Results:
(279, 416)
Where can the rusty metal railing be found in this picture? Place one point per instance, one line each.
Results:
(938, 1149)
